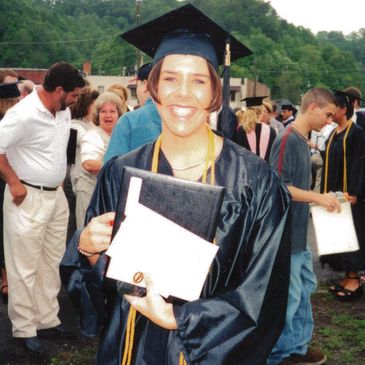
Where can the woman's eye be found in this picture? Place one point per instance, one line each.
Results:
(169, 78)
(199, 81)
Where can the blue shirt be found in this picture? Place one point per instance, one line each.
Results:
(134, 129)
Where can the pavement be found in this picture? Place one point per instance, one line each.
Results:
(12, 353)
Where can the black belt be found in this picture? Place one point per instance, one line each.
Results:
(45, 188)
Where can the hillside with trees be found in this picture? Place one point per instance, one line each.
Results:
(289, 59)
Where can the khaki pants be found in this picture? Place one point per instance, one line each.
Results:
(34, 242)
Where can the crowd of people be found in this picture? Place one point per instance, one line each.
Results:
(60, 198)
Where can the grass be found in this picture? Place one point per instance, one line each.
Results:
(339, 333)
(339, 329)
(84, 355)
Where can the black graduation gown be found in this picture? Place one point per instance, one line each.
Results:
(242, 307)
(241, 138)
(355, 155)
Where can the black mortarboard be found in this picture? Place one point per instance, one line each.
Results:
(185, 30)
(343, 96)
(253, 100)
(144, 71)
(285, 104)
(188, 31)
(9, 90)
(355, 92)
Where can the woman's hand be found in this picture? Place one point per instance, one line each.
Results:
(350, 198)
(92, 166)
(153, 306)
(96, 236)
(330, 202)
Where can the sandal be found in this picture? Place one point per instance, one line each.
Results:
(340, 285)
(4, 296)
(349, 294)
(335, 288)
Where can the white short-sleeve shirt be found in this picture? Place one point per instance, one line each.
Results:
(35, 141)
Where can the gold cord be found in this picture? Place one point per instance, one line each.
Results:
(128, 347)
(344, 181)
(210, 160)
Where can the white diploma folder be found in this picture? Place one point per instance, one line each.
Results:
(335, 232)
(177, 260)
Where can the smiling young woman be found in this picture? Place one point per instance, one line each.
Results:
(244, 298)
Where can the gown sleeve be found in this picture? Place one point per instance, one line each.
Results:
(241, 325)
(356, 165)
(83, 282)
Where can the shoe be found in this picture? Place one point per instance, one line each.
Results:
(4, 296)
(58, 331)
(34, 346)
(335, 288)
(350, 294)
(312, 357)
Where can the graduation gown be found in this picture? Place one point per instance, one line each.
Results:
(355, 157)
(242, 307)
(242, 140)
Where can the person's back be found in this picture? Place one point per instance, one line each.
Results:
(134, 129)
(138, 127)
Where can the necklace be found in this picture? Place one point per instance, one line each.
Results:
(188, 167)
(293, 126)
(209, 159)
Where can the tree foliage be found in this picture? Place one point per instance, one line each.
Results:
(289, 59)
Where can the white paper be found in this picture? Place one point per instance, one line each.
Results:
(177, 259)
(335, 232)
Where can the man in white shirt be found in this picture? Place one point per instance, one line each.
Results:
(33, 141)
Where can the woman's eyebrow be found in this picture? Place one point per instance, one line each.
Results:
(195, 74)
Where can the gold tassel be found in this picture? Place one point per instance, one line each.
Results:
(181, 359)
(128, 346)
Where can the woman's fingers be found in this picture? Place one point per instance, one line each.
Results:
(153, 306)
(97, 234)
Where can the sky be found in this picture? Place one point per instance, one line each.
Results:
(339, 15)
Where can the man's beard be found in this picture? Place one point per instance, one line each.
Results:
(63, 104)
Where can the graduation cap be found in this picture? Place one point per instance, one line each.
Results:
(355, 92)
(285, 104)
(252, 101)
(9, 90)
(144, 71)
(344, 97)
(188, 31)
(185, 30)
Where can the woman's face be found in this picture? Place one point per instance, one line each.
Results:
(264, 116)
(340, 115)
(108, 117)
(185, 93)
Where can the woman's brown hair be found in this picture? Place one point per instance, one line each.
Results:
(6, 104)
(80, 109)
(216, 101)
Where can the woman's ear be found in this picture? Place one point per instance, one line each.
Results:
(144, 86)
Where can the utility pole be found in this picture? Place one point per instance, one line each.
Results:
(256, 77)
(138, 19)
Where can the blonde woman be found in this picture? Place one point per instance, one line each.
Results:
(108, 108)
(253, 135)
